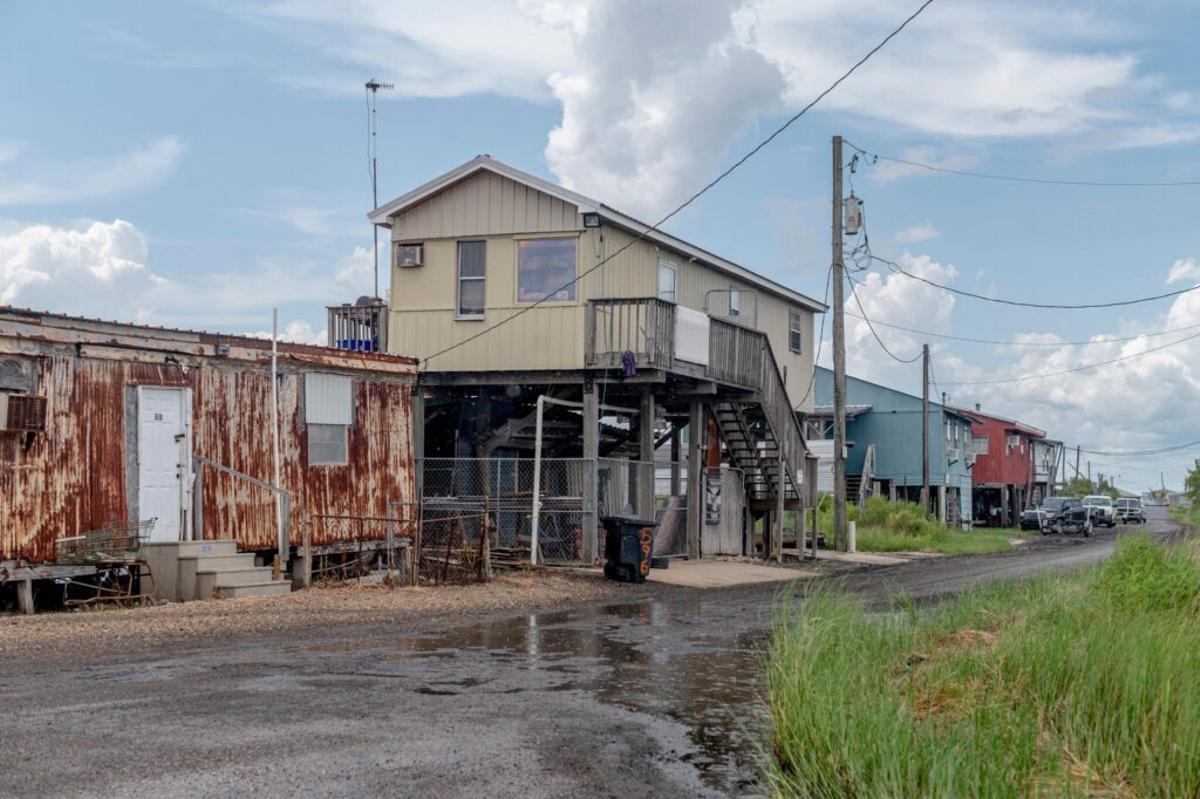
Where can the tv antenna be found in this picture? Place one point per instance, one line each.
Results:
(373, 86)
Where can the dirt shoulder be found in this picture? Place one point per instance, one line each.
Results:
(317, 610)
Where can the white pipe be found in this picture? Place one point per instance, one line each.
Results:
(537, 482)
(275, 429)
(851, 536)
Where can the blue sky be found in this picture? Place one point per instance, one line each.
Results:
(229, 140)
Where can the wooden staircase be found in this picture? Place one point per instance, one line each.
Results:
(761, 432)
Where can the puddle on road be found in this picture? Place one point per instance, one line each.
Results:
(661, 660)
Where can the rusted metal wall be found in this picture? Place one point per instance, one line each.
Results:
(72, 477)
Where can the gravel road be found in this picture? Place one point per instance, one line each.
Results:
(653, 695)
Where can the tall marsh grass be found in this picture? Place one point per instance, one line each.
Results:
(885, 526)
(1086, 685)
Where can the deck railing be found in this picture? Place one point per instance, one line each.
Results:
(735, 353)
(642, 326)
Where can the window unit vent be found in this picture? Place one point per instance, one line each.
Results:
(410, 255)
(23, 413)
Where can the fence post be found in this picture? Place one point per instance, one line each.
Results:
(591, 456)
(307, 559)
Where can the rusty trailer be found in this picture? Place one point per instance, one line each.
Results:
(109, 421)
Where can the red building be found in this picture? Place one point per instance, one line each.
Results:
(1003, 475)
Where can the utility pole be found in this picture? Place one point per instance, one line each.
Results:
(1078, 449)
(924, 428)
(839, 359)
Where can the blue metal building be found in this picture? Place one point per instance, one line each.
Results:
(883, 429)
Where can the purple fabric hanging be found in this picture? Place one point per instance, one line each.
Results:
(629, 363)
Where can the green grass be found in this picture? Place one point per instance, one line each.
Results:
(1085, 685)
(885, 526)
(946, 541)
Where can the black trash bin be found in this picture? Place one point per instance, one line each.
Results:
(627, 546)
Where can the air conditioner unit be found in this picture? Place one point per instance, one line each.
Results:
(22, 412)
(410, 255)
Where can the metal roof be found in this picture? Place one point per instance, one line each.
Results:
(382, 216)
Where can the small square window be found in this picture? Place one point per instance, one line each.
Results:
(327, 444)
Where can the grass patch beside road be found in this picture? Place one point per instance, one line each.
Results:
(1083, 685)
(885, 526)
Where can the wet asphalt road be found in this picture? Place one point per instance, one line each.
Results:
(655, 697)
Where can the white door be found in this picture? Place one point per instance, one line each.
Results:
(164, 458)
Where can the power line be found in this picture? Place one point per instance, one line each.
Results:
(892, 355)
(896, 268)
(1001, 343)
(820, 337)
(736, 164)
(1080, 368)
(1142, 452)
(1021, 179)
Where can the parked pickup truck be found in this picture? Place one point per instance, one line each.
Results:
(1102, 509)
(1031, 518)
(1130, 511)
(1065, 515)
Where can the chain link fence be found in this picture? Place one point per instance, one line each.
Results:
(466, 499)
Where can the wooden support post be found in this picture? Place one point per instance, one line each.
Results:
(695, 478)
(941, 499)
(777, 527)
(748, 531)
(591, 454)
(646, 413)
(676, 471)
(306, 561)
(417, 423)
(25, 597)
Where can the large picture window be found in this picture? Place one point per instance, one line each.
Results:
(545, 267)
(471, 278)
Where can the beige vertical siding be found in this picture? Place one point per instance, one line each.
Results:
(500, 211)
(485, 203)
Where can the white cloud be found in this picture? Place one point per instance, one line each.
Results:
(1144, 402)
(102, 269)
(917, 233)
(99, 268)
(297, 331)
(652, 94)
(1184, 269)
(52, 179)
(648, 107)
(426, 50)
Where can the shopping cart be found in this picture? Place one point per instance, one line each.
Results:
(115, 551)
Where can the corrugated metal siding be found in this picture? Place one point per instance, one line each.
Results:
(485, 204)
(72, 478)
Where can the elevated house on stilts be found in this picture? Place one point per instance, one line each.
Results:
(511, 289)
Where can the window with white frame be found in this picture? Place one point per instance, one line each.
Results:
(795, 331)
(1013, 441)
(328, 413)
(472, 278)
(667, 272)
(735, 302)
(546, 269)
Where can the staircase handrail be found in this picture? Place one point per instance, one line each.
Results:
(781, 416)
(285, 496)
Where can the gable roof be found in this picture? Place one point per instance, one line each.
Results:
(1009, 424)
(382, 217)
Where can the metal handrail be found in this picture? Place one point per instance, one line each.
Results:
(285, 496)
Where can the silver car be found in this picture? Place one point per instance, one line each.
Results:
(1102, 509)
